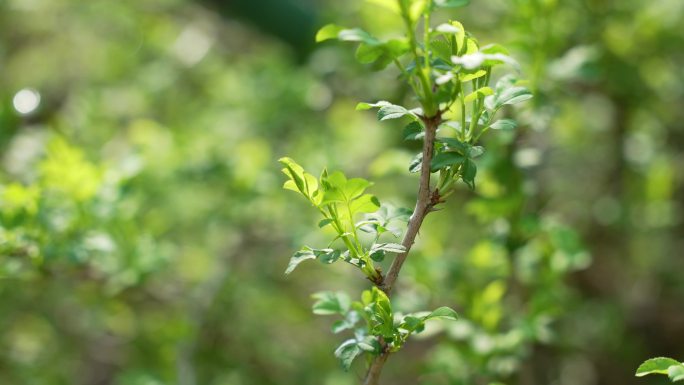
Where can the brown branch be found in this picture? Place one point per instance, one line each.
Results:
(426, 200)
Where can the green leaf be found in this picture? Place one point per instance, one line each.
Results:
(514, 95)
(451, 3)
(367, 106)
(380, 313)
(300, 181)
(446, 159)
(482, 92)
(440, 47)
(299, 257)
(370, 344)
(357, 34)
(494, 49)
(381, 54)
(330, 31)
(387, 110)
(355, 187)
(507, 93)
(466, 77)
(475, 151)
(366, 203)
(658, 365)
(469, 172)
(368, 53)
(347, 352)
(455, 144)
(329, 302)
(378, 251)
(412, 323)
(504, 124)
(676, 372)
(416, 163)
(295, 172)
(390, 247)
(326, 256)
(325, 222)
(393, 112)
(444, 313)
(349, 321)
(414, 131)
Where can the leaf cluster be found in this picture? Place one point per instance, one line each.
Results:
(372, 321)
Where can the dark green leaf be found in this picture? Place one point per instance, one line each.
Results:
(327, 256)
(469, 172)
(325, 222)
(416, 163)
(414, 131)
(455, 144)
(446, 159)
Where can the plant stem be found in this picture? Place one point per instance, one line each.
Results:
(424, 203)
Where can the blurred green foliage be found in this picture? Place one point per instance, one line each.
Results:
(144, 234)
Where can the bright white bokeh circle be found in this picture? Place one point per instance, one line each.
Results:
(26, 101)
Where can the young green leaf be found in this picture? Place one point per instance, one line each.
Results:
(347, 352)
(658, 365)
(330, 31)
(444, 313)
(299, 257)
(387, 110)
(676, 373)
(393, 112)
(349, 321)
(482, 92)
(366, 203)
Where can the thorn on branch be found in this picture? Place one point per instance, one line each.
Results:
(378, 280)
(435, 199)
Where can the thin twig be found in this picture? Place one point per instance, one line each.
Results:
(426, 200)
